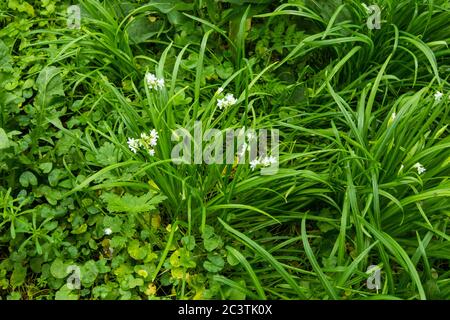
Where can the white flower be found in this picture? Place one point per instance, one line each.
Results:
(226, 102)
(153, 82)
(107, 231)
(254, 163)
(149, 140)
(133, 144)
(438, 96)
(144, 136)
(219, 91)
(154, 134)
(146, 141)
(153, 141)
(420, 168)
(160, 83)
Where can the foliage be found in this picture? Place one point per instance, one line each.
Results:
(357, 113)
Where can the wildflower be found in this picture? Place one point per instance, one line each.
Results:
(154, 134)
(153, 82)
(254, 163)
(144, 137)
(107, 231)
(219, 91)
(420, 168)
(226, 102)
(438, 96)
(133, 144)
(160, 83)
(146, 141)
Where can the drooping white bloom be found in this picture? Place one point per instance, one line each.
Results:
(254, 163)
(438, 96)
(146, 141)
(153, 82)
(227, 101)
(152, 142)
(144, 136)
(133, 144)
(107, 231)
(160, 83)
(154, 134)
(420, 168)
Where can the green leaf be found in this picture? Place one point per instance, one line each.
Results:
(130, 203)
(107, 154)
(4, 140)
(18, 275)
(46, 167)
(214, 264)
(141, 29)
(188, 242)
(89, 273)
(64, 293)
(212, 243)
(267, 256)
(136, 251)
(58, 269)
(315, 265)
(27, 178)
(55, 176)
(49, 84)
(115, 223)
(81, 229)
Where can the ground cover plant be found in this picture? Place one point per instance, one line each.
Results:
(93, 206)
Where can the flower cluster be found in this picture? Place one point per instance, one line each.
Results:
(146, 141)
(262, 161)
(438, 96)
(153, 82)
(420, 168)
(227, 101)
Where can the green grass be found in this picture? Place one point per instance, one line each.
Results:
(355, 108)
